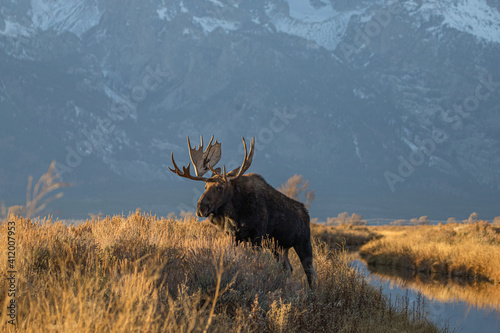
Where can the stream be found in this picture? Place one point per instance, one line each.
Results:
(463, 307)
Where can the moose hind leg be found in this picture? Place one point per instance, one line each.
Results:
(304, 251)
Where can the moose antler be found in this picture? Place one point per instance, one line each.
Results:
(247, 161)
(185, 171)
(203, 160)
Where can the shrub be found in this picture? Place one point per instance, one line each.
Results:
(345, 219)
(398, 222)
(297, 188)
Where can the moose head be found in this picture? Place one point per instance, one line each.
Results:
(218, 187)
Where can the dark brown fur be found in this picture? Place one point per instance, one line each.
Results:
(250, 209)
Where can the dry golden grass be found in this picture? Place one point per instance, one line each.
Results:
(343, 236)
(146, 274)
(454, 250)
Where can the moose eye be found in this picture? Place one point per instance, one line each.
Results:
(219, 189)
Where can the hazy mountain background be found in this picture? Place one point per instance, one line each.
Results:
(388, 108)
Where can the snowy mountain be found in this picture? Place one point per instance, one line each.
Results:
(389, 108)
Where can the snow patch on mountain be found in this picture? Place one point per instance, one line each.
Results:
(123, 102)
(303, 11)
(356, 147)
(183, 8)
(14, 29)
(209, 24)
(327, 33)
(217, 3)
(165, 13)
(474, 17)
(410, 144)
(75, 16)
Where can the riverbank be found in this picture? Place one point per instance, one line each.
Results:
(345, 236)
(466, 307)
(479, 295)
(467, 251)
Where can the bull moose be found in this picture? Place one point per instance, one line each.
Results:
(246, 207)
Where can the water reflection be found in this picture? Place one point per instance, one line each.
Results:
(479, 295)
(466, 307)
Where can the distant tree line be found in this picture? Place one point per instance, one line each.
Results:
(345, 219)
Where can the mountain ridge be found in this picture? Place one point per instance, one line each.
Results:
(366, 82)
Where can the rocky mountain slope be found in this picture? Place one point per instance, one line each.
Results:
(389, 108)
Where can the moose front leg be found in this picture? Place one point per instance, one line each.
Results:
(282, 255)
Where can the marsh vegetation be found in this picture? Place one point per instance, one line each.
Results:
(463, 250)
